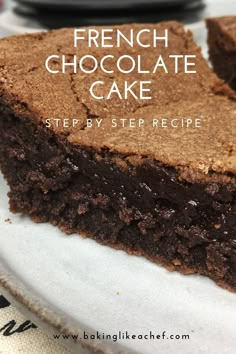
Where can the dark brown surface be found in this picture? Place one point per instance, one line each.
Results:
(222, 47)
(166, 194)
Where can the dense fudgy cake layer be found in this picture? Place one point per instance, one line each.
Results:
(138, 205)
(168, 194)
(222, 47)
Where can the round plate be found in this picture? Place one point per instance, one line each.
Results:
(70, 284)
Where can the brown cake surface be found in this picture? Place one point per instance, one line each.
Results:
(165, 193)
(222, 47)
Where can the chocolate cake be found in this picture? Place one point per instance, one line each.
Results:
(164, 191)
(222, 47)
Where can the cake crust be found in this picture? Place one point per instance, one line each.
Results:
(46, 96)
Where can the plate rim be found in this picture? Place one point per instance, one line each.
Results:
(39, 310)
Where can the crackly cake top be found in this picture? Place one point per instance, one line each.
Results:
(32, 91)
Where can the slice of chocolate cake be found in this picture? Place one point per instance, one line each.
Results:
(152, 177)
(222, 47)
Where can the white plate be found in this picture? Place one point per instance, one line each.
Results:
(71, 284)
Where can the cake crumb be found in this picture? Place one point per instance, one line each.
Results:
(217, 226)
(8, 221)
(176, 262)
